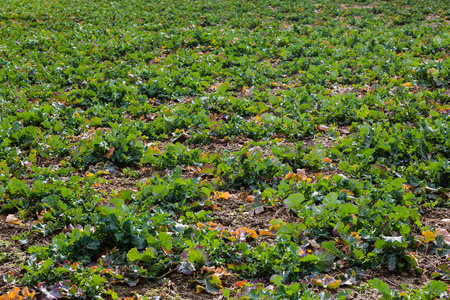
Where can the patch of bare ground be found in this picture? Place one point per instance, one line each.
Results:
(108, 184)
(276, 88)
(120, 182)
(345, 90)
(436, 218)
(395, 280)
(174, 286)
(436, 21)
(13, 253)
(219, 146)
(186, 287)
(285, 27)
(362, 91)
(235, 212)
(358, 6)
(213, 88)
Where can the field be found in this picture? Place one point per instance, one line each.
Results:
(202, 149)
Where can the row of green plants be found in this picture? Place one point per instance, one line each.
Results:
(334, 112)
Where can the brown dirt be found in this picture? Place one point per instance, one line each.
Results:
(174, 286)
(235, 213)
(394, 279)
(232, 214)
(358, 6)
(436, 21)
(12, 253)
(436, 217)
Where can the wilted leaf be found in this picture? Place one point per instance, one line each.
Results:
(12, 219)
(110, 152)
(323, 127)
(199, 289)
(207, 269)
(213, 284)
(334, 285)
(251, 234)
(317, 282)
(186, 267)
(240, 283)
(445, 233)
(49, 292)
(264, 232)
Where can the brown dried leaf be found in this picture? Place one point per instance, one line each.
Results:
(110, 152)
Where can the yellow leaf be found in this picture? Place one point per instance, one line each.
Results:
(251, 234)
(334, 285)
(429, 236)
(274, 228)
(317, 282)
(199, 289)
(290, 175)
(220, 195)
(264, 232)
(240, 283)
(224, 196)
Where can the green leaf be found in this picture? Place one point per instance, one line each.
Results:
(222, 88)
(347, 209)
(97, 279)
(149, 254)
(379, 243)
(325, 259)
(436, 287)
(295, 287)
(134, 255)
(277, 279)
(226, 293)
(294, 201)
(330, 246)
(194, 256)
(317, 155)
(47, 263)
(89, 243)
(332, 199)
(382, 287)
(309, 258)
(166, 240)
(437, 41)
(139, 241)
